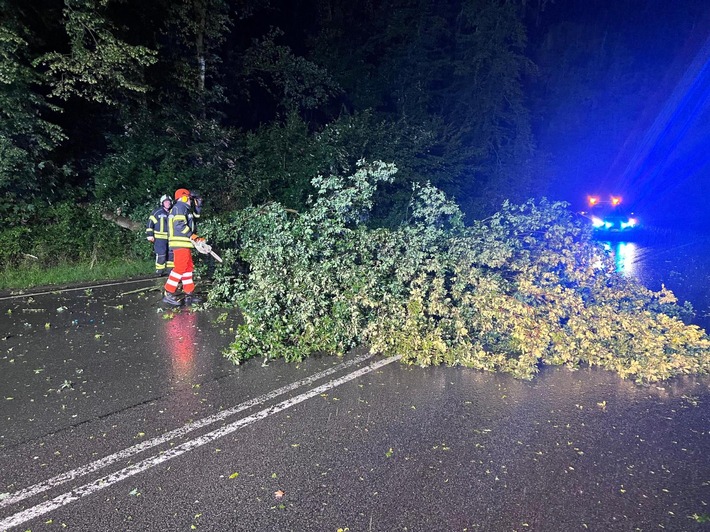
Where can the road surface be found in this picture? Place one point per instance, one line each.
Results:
(116, 418)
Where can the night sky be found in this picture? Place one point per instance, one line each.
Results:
(650, 144)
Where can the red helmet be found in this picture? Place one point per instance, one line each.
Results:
(181, 193)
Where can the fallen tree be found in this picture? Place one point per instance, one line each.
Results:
(526, 287)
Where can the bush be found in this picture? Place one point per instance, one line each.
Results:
(65, 233)
(522, 288)
(12, 246)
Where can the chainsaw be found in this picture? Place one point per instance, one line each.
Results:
(204, 248)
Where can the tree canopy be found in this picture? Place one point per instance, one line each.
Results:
(99, 96)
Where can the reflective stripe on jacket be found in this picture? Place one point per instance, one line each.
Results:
(181, 225)
(158, 224)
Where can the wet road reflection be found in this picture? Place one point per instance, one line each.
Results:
(679, 261)
(179, 337)
(624, 256)
(70, 357)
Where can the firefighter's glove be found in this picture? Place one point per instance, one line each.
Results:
(151, 239)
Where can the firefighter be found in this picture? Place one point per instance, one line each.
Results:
(196, 202)
(157, 232)
(181, 235)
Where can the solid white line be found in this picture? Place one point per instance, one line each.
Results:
(171, 435)
(174, 452)
(60, 290)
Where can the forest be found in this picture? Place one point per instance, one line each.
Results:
(432, 128)
(108, 104)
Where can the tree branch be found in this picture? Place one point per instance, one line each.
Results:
(122, 221)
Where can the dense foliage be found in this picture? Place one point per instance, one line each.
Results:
(66, 233)
(26, 138)
(117, 102)
(105, 105)
(522, 288)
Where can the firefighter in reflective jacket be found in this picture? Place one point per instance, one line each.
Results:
(157, 232)
(181, 234)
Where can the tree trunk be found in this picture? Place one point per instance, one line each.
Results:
(122, 221)
(201, 59)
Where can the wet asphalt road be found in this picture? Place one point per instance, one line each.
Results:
(114, 418)
(679, 260)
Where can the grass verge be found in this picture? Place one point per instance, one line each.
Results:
(32, 276)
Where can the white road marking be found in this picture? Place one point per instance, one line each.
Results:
(171, 435)
(174, 452)
(85, 287)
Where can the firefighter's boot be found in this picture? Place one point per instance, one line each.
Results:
(170, 299)
(192, 300)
